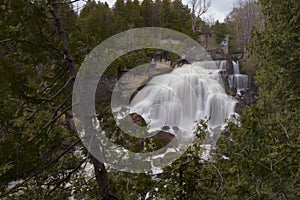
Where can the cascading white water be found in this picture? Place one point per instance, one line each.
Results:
(236, 67)
(183, 96)
(238, 80)
(223, 65)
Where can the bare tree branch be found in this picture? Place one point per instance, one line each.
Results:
(68, 2)
(52, 82)
(66, 178)
(64, 39)
(59, 91)
(198, 8)
(54, 118)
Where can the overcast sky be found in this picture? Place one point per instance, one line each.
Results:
(218, 11)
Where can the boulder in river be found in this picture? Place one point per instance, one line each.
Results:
(138, 119)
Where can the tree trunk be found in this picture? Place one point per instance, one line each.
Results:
(100, 171)
(102, 180)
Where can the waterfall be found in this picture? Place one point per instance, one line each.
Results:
(183, 96)
(236, 67)
(238, 80)
(222, 65)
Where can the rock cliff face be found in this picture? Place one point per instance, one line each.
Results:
(106, 86)
(129, 83)
(229, 68)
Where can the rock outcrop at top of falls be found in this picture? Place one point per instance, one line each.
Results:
(179, 63)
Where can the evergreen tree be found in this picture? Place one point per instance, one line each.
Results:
(165, 14)
(38, 69)
(133, 16)
(264, 153)
(147, 12)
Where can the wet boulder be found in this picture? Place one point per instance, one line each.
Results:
(138, 119)
(232, 92)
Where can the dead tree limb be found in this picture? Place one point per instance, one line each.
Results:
(63, 36)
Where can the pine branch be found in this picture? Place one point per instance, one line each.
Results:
(66, 178)
(13, 40)
(52, 82)
(13, 189)
(54, 118)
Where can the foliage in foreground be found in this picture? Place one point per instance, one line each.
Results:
(263, 153)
